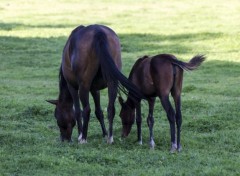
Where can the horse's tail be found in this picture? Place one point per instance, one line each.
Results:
(193, 64)
(109, 70)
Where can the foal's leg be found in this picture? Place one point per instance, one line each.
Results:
(139, 122)
(176, 94)
(98, 111)
(150, 121)
(177, 100)
(84, 97)
(112, 95)
(77, 110)
(171, 118)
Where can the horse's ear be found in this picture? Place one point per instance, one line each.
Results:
(54, 102)
(121, 101)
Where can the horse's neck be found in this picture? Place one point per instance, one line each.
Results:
(65, 96)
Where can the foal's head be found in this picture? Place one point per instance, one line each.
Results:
(64, 115)
(127, 115)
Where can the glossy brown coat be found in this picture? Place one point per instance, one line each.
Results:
(157, 76)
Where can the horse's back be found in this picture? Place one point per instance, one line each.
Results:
(81, 65)
(84, 46)
(140, 75)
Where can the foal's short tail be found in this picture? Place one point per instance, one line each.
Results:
(109, 70)
(193, 64)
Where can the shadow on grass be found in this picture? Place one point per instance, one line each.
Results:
(14, 26)
(147, 43)
(32, 50)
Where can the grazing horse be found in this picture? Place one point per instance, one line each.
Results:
(157, 76)
(91, 61)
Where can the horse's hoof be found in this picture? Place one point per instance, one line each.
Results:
(173, 148)
(110, 140)
(83, 141)
(80, 137)
(140, 142)
(179, 149)
(152, 144)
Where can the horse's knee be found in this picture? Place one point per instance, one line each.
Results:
(111, 109)
(86, 111)
(178, 119)
(150, 120)
(99, 113)
(171, 115)
(138, 120)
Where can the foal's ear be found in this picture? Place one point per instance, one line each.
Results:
(121, 101)
(54, 102)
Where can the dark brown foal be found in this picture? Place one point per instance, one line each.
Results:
(157, 76)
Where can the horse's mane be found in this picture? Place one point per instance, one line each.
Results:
(63, 89)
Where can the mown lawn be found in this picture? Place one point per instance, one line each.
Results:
(32, 36)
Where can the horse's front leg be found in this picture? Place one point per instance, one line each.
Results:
(84, 97)
(139, 122)
(112, 95)
(150, 121)
(77, 109)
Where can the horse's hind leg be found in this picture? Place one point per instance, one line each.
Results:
(150, 121)
(171, 118)
(176, 94)
(112, 95)
(98, 111)
(84, 97)
(177, 100)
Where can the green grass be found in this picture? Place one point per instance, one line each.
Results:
(32, 36)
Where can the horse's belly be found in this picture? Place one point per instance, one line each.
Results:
(98, 82)
(149, 89)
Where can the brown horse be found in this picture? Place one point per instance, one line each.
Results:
(91, 61)
(157, 76)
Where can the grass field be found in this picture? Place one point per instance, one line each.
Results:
(32, 36)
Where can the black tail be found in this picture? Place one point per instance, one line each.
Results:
(109, 69)
(193, 64)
